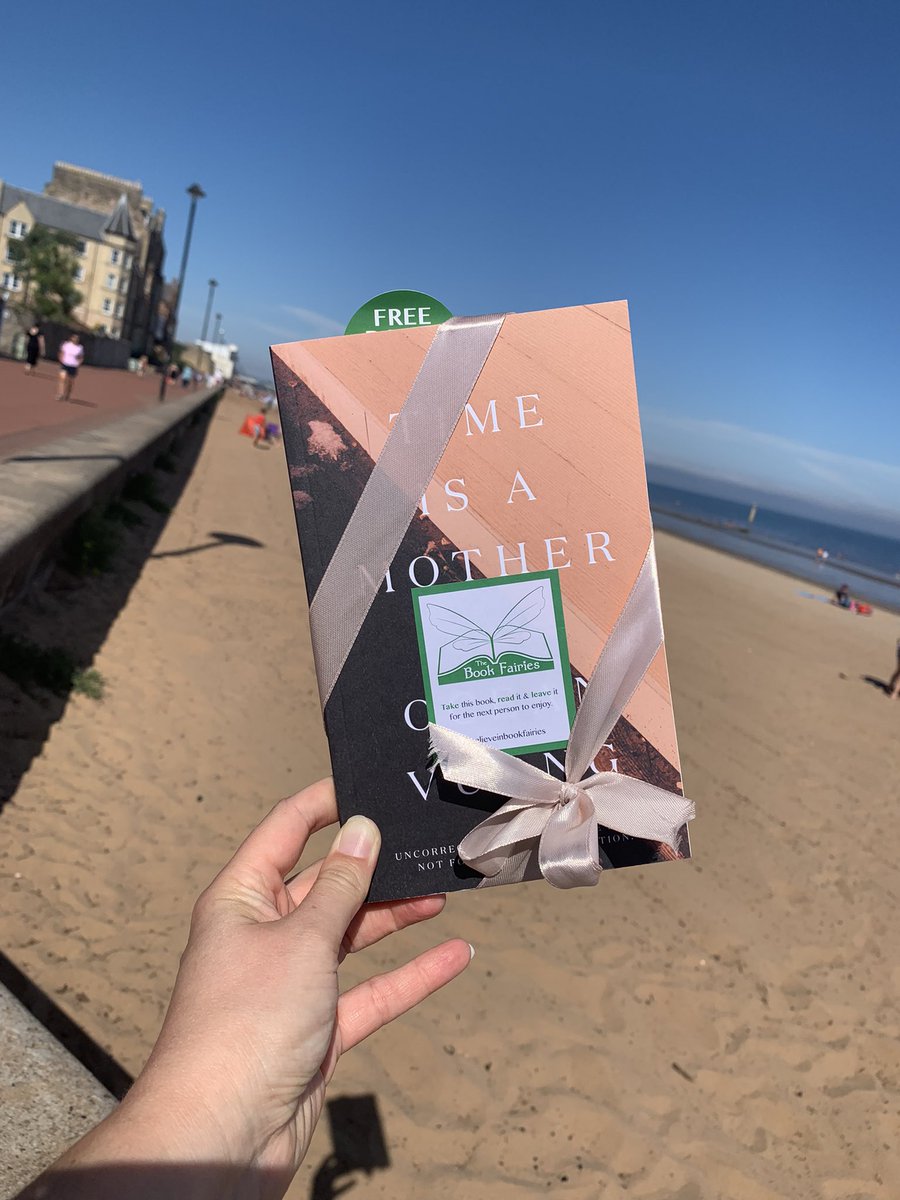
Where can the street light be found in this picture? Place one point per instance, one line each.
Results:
(213, 284)
(196, 192)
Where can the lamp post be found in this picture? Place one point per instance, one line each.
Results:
(196, 192)
(213, 284)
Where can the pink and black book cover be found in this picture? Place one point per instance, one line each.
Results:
(507, 582)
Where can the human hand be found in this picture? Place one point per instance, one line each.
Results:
(256, 1025)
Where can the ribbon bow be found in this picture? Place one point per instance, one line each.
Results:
(553, 822)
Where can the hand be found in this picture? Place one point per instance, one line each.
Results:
(256, 1025)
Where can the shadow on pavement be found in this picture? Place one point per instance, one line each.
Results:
(25, 458)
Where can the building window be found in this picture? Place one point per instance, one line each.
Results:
(8, 256)
(115, 257)
(11, 282)
(123, 286)
(111, 280)
(128, 262)
(120, 310)
(17, 229)
(107, 305)
(78, 274)
(81, 247)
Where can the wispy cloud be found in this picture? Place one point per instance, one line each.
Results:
(274, 332)
(317, 322)
(725, 451)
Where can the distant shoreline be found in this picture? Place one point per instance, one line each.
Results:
(873, 587)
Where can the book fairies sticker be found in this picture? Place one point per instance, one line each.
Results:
(495, 660)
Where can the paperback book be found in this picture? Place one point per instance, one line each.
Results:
(518, 558)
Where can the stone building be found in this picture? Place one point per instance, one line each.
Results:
(224, 356)
(119, 247)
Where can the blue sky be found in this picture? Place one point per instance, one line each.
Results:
(730, 169)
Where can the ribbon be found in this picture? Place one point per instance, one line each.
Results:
(551, 827)
(546, 827)
(394, 490)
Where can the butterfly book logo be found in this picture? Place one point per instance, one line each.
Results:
(513, 647)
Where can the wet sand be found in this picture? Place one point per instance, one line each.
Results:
(721, 1028)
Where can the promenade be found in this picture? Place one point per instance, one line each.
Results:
(31, 414)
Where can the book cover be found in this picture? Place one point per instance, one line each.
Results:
(505, 587)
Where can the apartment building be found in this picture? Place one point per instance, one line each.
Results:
(119, 247)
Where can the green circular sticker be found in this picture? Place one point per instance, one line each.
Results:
(398, 310)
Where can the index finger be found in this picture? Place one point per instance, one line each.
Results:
(277, 842)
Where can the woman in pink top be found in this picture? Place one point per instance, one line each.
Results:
(71, 356)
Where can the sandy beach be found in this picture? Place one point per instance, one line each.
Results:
(725, 1028)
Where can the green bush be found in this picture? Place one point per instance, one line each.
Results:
(117, 511)
(142, 489)
(89, 683)
(91, 545)
(30, 665)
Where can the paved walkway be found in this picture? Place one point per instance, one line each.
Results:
(30, 413)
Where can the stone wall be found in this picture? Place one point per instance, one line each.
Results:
(92, 189)
(99, 351)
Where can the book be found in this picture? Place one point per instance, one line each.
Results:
(511, 575)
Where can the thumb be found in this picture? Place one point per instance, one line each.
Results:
(343, 881)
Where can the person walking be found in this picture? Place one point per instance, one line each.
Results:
(71, 356)
(34, 348)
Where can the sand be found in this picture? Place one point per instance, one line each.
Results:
(721, 1028)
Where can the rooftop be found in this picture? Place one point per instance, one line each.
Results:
(120, 221)
(56, 214)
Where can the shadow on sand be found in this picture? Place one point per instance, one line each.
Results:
(359, 1144)
(219, 539)
(881, 684)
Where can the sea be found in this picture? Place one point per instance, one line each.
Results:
(868, 563)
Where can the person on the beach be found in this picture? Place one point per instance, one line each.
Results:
(894, 683)
(233, 1089)
(71, 356)
(34, 348)
(261, 434)
(842, 596)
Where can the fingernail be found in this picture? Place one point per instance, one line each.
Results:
(471, 951)
(357, 838)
